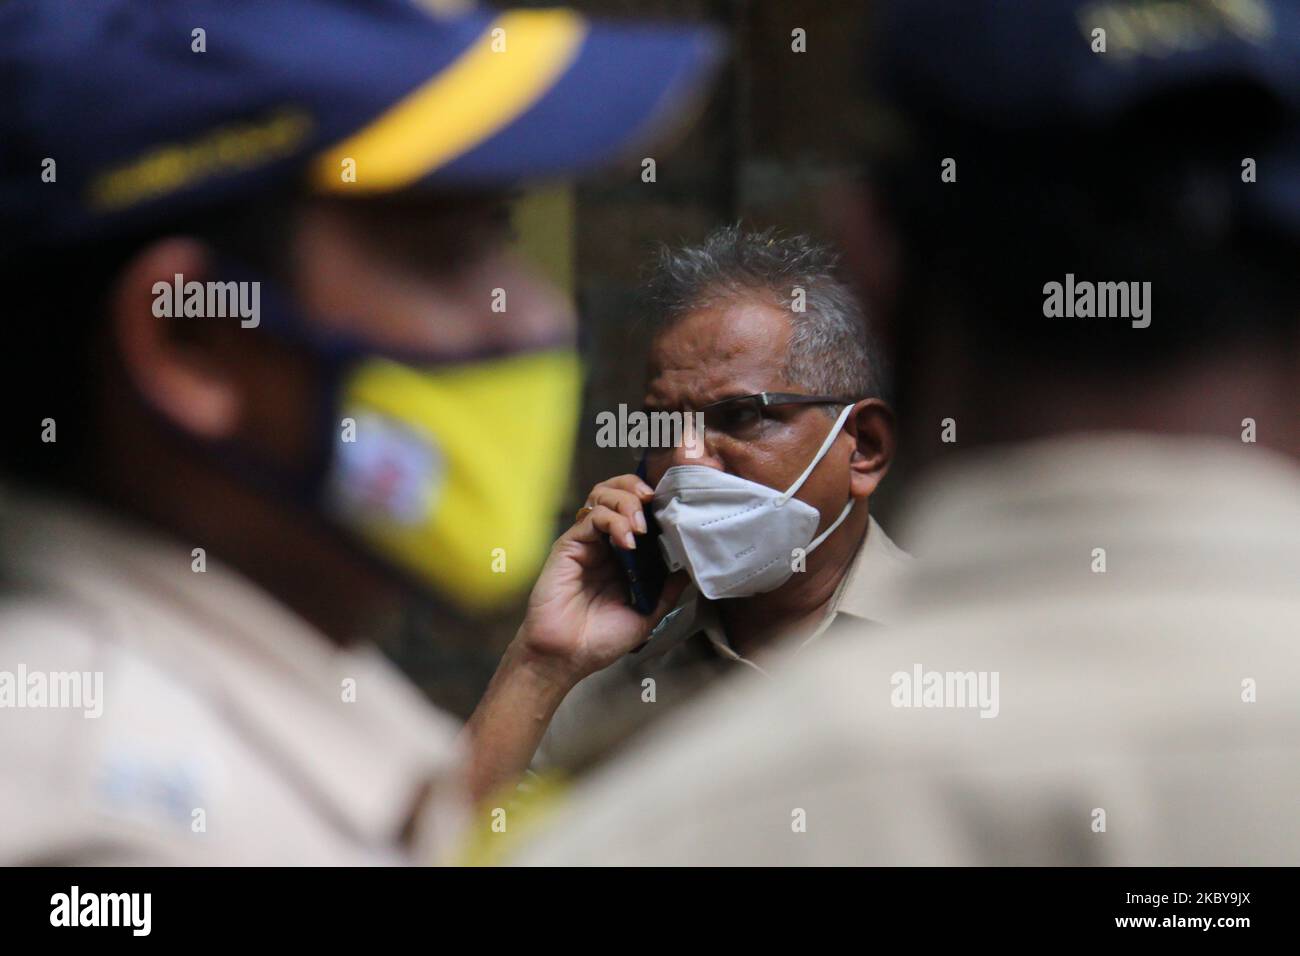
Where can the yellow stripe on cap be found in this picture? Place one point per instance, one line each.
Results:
(482, 92)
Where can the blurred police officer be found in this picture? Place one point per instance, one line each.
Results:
(1097, 345)
(274, 372)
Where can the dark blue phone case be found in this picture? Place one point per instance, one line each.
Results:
(644, 568)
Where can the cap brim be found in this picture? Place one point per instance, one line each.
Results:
(540, 94)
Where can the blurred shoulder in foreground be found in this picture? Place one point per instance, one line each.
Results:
(1035, 710)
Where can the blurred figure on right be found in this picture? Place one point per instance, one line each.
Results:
(1090, 247)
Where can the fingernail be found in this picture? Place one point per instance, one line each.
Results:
(639, 520)
(631, 541)
(645, 489)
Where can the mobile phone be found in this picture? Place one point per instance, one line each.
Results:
(644, 568)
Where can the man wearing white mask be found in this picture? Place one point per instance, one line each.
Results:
(764, 518)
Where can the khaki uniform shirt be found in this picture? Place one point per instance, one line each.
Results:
(1137, 598)
(223, 735)
(689, 651)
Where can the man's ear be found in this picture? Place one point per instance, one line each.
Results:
(168, 372)
(871, 423)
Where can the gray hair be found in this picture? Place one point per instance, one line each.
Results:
(831, 349)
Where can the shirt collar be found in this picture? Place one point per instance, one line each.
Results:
(869, 589)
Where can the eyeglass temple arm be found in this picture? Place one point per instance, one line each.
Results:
(791, 398)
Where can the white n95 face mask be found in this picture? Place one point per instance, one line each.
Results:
(733, 536)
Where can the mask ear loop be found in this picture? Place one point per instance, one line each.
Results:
(821, 453)
(826, 445)
(812, 545)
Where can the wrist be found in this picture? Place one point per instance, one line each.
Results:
(543, 670)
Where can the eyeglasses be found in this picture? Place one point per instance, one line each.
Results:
(745, 418)
(742, 417)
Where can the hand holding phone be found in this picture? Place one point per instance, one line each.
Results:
(581, 616)
(644, 568)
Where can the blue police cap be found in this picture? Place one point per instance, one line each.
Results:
(122, 112)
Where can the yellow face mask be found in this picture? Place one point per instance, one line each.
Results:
(455, 473)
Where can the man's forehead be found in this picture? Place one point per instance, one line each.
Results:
(721, 349)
